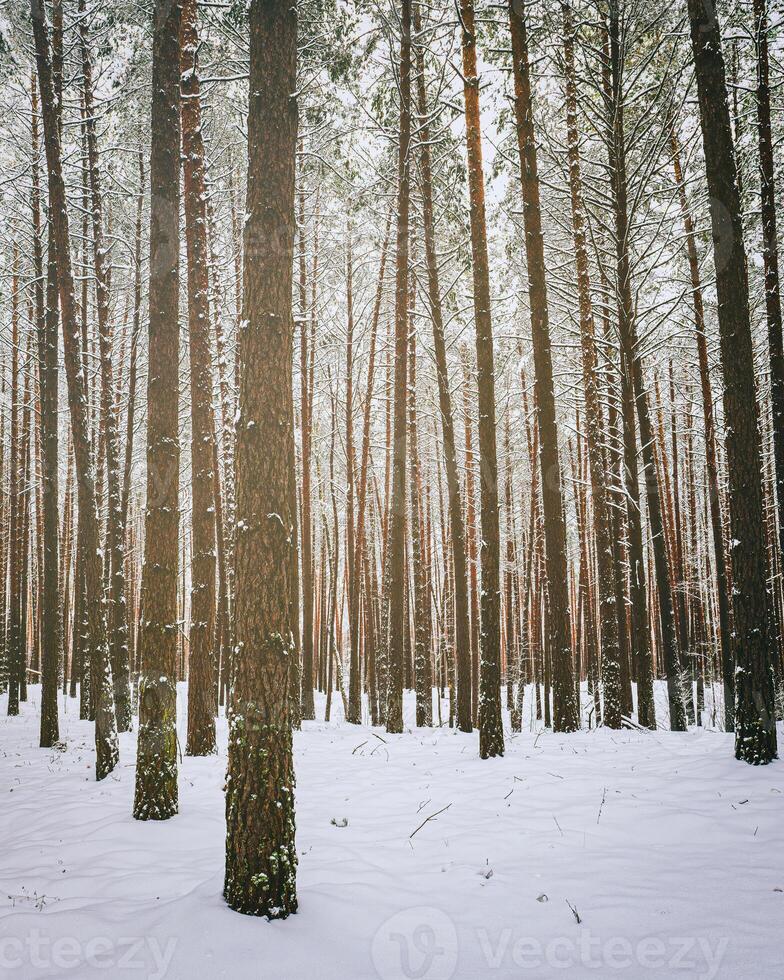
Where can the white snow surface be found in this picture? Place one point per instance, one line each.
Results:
(669, 851)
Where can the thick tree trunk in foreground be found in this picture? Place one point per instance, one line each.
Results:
(260, 852)
(201, 699)
(565, 705)
(755, 721)
(397, 519)
(101, 681)
(156, 765)
(491, 733)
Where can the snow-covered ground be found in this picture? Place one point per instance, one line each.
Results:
(599, 854)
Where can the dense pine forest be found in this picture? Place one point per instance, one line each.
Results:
(391, 488)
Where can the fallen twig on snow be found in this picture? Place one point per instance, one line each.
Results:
(428, 819)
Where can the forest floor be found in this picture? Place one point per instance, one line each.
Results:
(598, 854)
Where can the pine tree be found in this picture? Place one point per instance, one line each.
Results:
(90, 566)
(755, 724)
(117, 607)
(491, 735)
(566, 708)
(397, 518)
(456, 523)
(260, 851)
(201, 700)
(47, 326)
(156, 764)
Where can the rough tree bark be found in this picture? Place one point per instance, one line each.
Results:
(156, 764)
(260, 851)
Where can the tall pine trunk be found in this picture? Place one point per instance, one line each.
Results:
(15, 639)
(566, 709)
(260, 851)
(201, 670)
(636, 393)
(307, 705)
(397, 517)
(462, 627)
(711, 449)
(117, 607)
(90, 567)
(491, 734)
(47, 324)
(755, 720)
(770, 253)
(156, 764)
(594, 418)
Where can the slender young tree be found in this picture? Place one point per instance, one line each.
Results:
(711, 448)
(47, 326)
(260, 851)
(456, 524)
(594, 418)
(755, 718)
(90, 565)
(201, 701)
(361, 535)
(308, 708)
(770, 252)
(156, 764)
(635, 392)
(397, 518)
(352, 578)
(565, 705)
(423, 674)
(117, 611)
(15, 638)
(491, 733)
